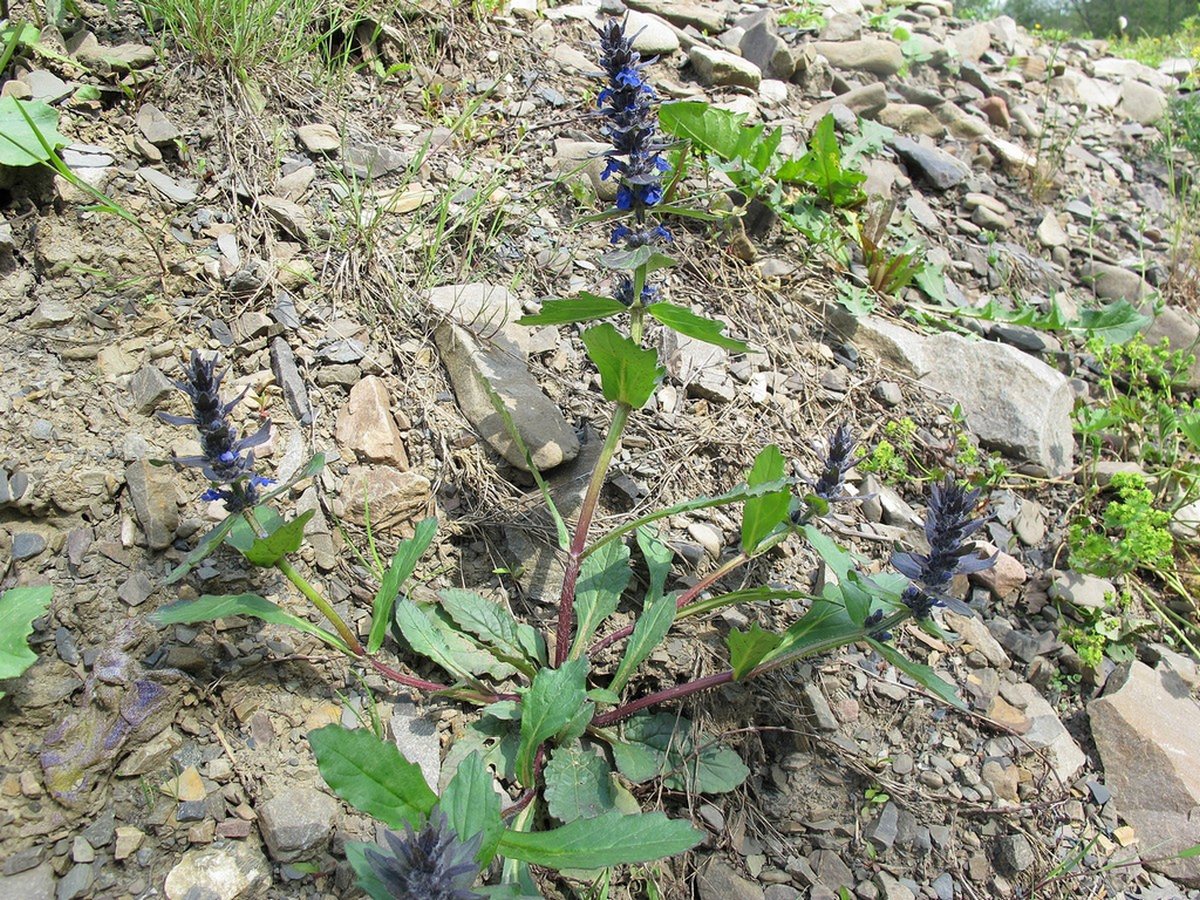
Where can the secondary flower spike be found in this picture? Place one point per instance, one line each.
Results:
(432, 864)
(948, 524)
(635, 160)
(225, 459)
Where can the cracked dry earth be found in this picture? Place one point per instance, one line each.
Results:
(357, 251)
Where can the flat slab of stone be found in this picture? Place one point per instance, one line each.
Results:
(477, 371)
(875, 57)
(1147, 728)
(721, 69)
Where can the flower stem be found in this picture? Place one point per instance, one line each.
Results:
(322, 604)
(586, 511)
(680, 691)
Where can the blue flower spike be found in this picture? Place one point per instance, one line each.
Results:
(226, 460)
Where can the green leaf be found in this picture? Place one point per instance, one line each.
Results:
(578, 784)
(762, 515)
(209, 607)
(19, 606)
(1116, 323)
(285, 539)
(688, 323)
(1189, 853)
(603, 577)
(857, 598)
(763, 150)
(841, 562)
(748, 649)
(404, 561)
(491, 623)
(630, 260)
(311, 468)
(611, 839)
(472, 805)
(922, 674)
(664, 745)
(1190, 426)
(494, 740)
(430, 632)
(658, 611)
(372, 775)
(822, 168)
(713, 130)
(825, 625)
(550, 703)
(210, 542)
(28, 132)
(628, 374)
(583, 307)
(356, 855)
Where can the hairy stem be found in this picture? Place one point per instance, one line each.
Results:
(680, 691)
(586, 511)
(323, 605)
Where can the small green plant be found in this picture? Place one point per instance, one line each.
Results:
(19, 606)
(1131, 534)
(806, 16)
(887, 273)
(891, 456)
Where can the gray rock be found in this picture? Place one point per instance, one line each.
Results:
(1047, 732)
(76, 882)
(1050, 231)
(762, 46)
(1084, 591)
(718, 881)
(476, 370)
(1180, 328)
(180, 192)
(374, 160)
(1115, 283)
(367, 426)
(1146, 728)
(892, 889)
(652, 36)
(937, 167)
(702, 368)
(155, 127)
(291, 216)
(27, 545)
(319, 138)
(702, 16)
(136, 589)
(976, 635)
(720, 69)
(581, 162)
(122, 56)
(832, 871)
(842, 27)
(911, 118)
(872, 56)
(297, 823)
(1014, 855)
(1029, 524)
(415, 736)
(50, 313)
(1141, 103)
(816, 708)
(884, 830)
(32, 884)
(287, 376)
(152, 492)
(237, 870)
(866, 101)
(46, 86)
(971, 43)
(149, 387)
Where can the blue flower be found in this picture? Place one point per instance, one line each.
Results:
(431, 864)
(839, 459)
(948, 524)
(624, 292)
(225, 459)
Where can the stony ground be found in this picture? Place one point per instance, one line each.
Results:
(357, 248)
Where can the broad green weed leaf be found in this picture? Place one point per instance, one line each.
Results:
(762, 515)
(583, 307)
(834, 556)
(493, 739)
(603, 577)
(285, 539)
(491, 623)
(578, 784)
(628, 374)
(209, 607)
(629, 260)
(28, 132)
(748, 649)
(658, 611)
(472, 805)
(611, 839)
(430, 632)
(372, 775)
(688, 323)
(19, 606)
(1116, 323)
(824, 626)
(922, 674)
(404, 561)
(713, 130)
(550, 703)
(663, 745)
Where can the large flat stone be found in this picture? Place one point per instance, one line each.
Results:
(875, 57)
(1147, 728)
(478, 370)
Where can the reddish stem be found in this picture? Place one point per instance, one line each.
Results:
(400, 678)
(675, 693)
